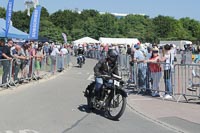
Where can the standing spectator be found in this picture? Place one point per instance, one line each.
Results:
(18, 55)
(46, 52)
(32, 53)
(139, 57)
(155, 70)
(132, 67)
(63, 53)
(53, 56)
(123, 56)
(2, 44)
(38, 59)
(168, 66)
(149, 55)
(98, 51)
(105, 51)
(75, 47)
(6, 63)
(25, 63)
(128, 52)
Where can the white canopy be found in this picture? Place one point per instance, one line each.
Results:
(118, 41)
(85, 40)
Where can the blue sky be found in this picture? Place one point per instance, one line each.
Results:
(152, 8)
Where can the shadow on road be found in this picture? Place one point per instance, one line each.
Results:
(77, 66)
(84, 108)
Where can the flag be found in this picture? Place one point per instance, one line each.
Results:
(65, 37)
(8, 15)
(35, 23)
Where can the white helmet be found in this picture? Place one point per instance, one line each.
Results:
(80, 47)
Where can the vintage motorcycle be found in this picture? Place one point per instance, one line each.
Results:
(80, 60)
(113, 97)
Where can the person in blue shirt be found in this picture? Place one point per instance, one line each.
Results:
(140, 58)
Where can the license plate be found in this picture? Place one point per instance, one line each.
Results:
(116, 83)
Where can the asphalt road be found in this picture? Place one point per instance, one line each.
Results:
(57, 105)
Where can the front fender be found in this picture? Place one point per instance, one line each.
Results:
(124, 94)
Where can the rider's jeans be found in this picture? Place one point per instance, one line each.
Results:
(99, 83)
(79, 57)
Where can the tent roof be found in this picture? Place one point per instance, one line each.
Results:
(129, 41)
(13, 32)
(85, 40)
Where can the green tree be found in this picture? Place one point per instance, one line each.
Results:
(192, 27)
(106, 25)
(2, 12)
(21, 20)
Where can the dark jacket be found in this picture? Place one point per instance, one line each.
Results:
(102, 68)
(80, 52)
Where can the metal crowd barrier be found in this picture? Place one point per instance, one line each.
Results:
(187, 81)
(15, 71)
(5, 72)
(184, 79)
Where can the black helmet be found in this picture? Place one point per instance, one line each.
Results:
(112, 56)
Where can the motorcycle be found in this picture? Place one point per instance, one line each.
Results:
(113, 97)
(80, 61)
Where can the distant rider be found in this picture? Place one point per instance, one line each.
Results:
(105, 66)
(80, 52)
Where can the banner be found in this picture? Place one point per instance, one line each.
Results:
(8, 15)
(35, 23)
(65, 37)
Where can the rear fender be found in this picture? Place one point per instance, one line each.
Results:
(89, 89)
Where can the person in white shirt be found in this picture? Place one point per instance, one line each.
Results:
(168, 66)
(53, 55)
(63, 55)
(64, 50)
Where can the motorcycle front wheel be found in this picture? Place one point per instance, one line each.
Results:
(116, 106)
(80, 64)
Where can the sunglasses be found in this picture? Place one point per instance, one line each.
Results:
(155, 51)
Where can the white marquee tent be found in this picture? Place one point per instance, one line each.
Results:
(84, 40)
(119, 41)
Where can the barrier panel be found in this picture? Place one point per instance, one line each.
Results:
(159, 79)
(183, 80)
(187, 81)
(156, 78)
(17, 71)
(5, 72)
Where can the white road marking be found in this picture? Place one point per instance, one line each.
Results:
(22, 131)
(28, 131)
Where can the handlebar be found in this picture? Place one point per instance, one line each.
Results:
(113, 76)
(105, 76)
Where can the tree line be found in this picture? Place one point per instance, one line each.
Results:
(93, 24)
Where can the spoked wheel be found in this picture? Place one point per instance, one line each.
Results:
(80, 64)
(116, 106)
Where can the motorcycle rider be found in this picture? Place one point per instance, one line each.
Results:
(105, 66)
(80, 52)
